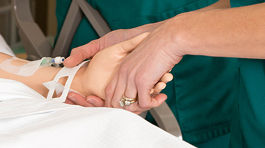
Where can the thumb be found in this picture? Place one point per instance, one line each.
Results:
(129, 45)
(95, 101)
(82, 53)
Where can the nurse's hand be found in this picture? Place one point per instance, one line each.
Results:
(86, 51)
(144, 67)
(100, 70)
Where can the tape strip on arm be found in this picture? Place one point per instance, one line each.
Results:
(54, 85)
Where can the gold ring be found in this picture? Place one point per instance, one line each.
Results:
(129, 99)
(126, 101)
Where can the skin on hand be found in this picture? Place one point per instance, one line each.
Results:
(93, 101)
(89, 101)
(143, 68)
(106, 63)
(101, 69)
(86, 51)
(83, 52)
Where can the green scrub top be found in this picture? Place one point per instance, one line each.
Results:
(248, 125)
(203, 91)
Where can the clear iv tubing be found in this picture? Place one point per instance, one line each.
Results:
(31, 67)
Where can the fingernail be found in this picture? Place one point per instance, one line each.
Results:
(91, 101)
(164, 86)
(71, 97)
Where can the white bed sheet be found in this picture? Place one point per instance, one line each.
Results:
(27, 120)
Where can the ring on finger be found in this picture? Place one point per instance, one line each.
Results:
(126, 101)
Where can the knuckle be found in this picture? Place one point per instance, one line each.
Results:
(115, 33)
(74, 50)
(144, 105)
(95, 44)
(87, 50)
(77, 52)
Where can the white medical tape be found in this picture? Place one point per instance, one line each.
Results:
(59, 89)
(55, 86)
(25, 70)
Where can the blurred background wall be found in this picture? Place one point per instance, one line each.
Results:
(7, 24)
(44, 14)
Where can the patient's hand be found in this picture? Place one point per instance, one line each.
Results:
(105, 63)
(101, 70)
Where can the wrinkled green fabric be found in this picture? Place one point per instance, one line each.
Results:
(239, 3)
(248, 126)
(203, 91)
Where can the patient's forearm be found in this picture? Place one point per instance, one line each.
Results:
(44, 74)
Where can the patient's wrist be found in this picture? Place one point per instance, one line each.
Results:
(77, 84)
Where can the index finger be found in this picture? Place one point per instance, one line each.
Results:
(82, 53)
